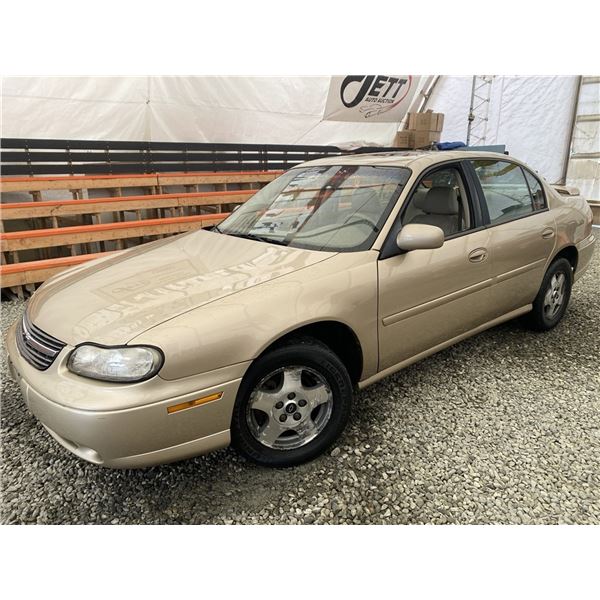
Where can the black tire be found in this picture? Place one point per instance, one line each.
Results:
(317, 358)
(541, 318)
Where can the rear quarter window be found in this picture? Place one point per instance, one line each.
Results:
(537, 192)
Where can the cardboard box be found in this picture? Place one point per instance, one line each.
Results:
(415, 139)
(426, 121)
(404, 139)
(424, 139)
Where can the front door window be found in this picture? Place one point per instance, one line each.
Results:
(441, 200)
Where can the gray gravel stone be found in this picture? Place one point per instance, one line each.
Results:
(502, 428)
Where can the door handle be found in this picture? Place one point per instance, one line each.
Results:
(548, 233)
(478, 255)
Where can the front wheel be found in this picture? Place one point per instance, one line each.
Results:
(551, 302)
(292, 404)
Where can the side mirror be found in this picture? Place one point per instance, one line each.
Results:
(416, 236)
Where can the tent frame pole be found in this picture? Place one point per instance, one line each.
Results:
(567, 158)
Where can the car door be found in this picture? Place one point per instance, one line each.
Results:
(428, 297)
(523, 231)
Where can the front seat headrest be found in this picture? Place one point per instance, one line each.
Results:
(438, 201)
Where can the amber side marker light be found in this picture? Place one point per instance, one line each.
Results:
(192, 403)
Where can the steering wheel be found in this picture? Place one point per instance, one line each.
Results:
(360, 218)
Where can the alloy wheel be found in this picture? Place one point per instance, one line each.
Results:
(555, 295)
(289, 407)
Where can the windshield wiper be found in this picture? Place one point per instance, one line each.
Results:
(257, 238)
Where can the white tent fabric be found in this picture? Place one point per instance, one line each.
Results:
(530, 115)
(269, 110)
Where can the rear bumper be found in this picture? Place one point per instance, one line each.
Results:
(134, 436)
(585, 250)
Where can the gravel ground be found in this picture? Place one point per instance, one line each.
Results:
(502, 428)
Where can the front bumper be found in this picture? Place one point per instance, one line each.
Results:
(135, 429)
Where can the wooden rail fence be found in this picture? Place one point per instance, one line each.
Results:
(68, 201)
(40, 237)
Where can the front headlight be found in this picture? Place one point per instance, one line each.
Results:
(123, 364)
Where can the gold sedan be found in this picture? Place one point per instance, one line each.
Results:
(340, 272)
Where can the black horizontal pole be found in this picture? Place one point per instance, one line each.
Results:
(74, 157)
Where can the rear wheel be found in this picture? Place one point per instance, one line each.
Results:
(551, 302)
(292, 404)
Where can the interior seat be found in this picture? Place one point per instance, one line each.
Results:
(439, 207)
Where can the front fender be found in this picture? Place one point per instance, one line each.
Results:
(239, 327)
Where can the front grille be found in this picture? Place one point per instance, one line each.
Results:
(36, 347)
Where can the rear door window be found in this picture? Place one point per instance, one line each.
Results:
(506, 191)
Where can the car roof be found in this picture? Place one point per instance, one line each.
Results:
(404, 158)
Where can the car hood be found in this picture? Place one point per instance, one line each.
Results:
(112, 300)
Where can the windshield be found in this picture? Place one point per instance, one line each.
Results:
(332, 208)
